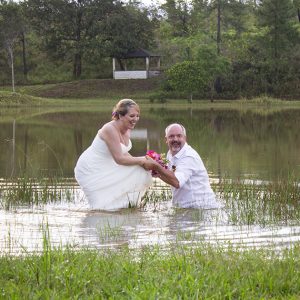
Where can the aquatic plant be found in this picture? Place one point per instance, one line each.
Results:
(263, 203)
(31, 191)
(157, 194)
(109, 233)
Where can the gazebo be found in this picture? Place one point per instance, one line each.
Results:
(137, 64)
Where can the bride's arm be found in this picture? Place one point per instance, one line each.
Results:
(111, 137)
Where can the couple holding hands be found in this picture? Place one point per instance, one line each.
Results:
(112, 179)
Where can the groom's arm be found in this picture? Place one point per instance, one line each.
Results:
(164, 174)
(168, 176)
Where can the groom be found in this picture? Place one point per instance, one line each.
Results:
(186, 172)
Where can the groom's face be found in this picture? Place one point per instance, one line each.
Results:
(175, 139)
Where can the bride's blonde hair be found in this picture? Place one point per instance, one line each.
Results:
(122, 108)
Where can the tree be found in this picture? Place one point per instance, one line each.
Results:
(10, 31)
(228, 16)
(276, 16)
(187, 77)
(277, 20)
(177, 16)
(197, 75)
(127, 28)
(296, 4)
(67, 27)
(72, 30)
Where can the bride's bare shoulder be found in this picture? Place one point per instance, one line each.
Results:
(107, 129)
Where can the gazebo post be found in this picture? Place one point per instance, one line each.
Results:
(147, 66)
(120, 66)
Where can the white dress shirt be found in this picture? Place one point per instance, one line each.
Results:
(194, 188)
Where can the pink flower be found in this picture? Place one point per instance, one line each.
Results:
(160, 158)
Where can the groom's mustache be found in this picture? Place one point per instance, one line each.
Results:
(176, 144)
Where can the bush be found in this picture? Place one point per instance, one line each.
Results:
(160, 97)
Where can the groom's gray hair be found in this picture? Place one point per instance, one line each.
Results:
(175, 124)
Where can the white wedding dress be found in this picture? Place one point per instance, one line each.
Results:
(106, 184)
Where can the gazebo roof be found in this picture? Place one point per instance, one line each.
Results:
(139, 53)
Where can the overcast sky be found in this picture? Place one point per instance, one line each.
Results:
(149, 2)
(146, 2)
(152, 1)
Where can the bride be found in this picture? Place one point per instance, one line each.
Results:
(109, 176)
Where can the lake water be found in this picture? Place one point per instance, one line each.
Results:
(259, 146)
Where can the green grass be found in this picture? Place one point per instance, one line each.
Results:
(22, 191)
(102, 91)
(263, 203)
(203, 272)
(17, 99)
(200, 271)
(156, 195)
(93, 88)
(31, 191)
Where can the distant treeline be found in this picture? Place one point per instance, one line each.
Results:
(234, 48)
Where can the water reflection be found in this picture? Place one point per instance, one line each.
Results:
(232, 144)
(72, 224)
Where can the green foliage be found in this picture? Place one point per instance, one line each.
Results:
(188, 76)
(78, 29)
(251, 203)
(59, 40)
(11, 28)
(278, 17)
(126, 29)
(160, 96)
(178, 17)
(11, 23)
(278, 45)
(30, 191)
(14, 99)
(197, 75)
(68, 28)
(202, 272)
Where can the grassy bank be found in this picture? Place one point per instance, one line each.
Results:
(181, 273)
(97, 91)
(94, 88)
(262, 105)
(17, 99)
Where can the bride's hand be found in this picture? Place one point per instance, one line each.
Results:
(149, 163)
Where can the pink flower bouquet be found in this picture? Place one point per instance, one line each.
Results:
(160, 158)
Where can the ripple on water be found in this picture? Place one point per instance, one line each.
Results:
(24, 229)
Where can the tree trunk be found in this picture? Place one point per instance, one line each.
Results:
(77, 66)
(122, 68)
(25, 69)
(211, 93)
(11, 58)
(218, 85)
